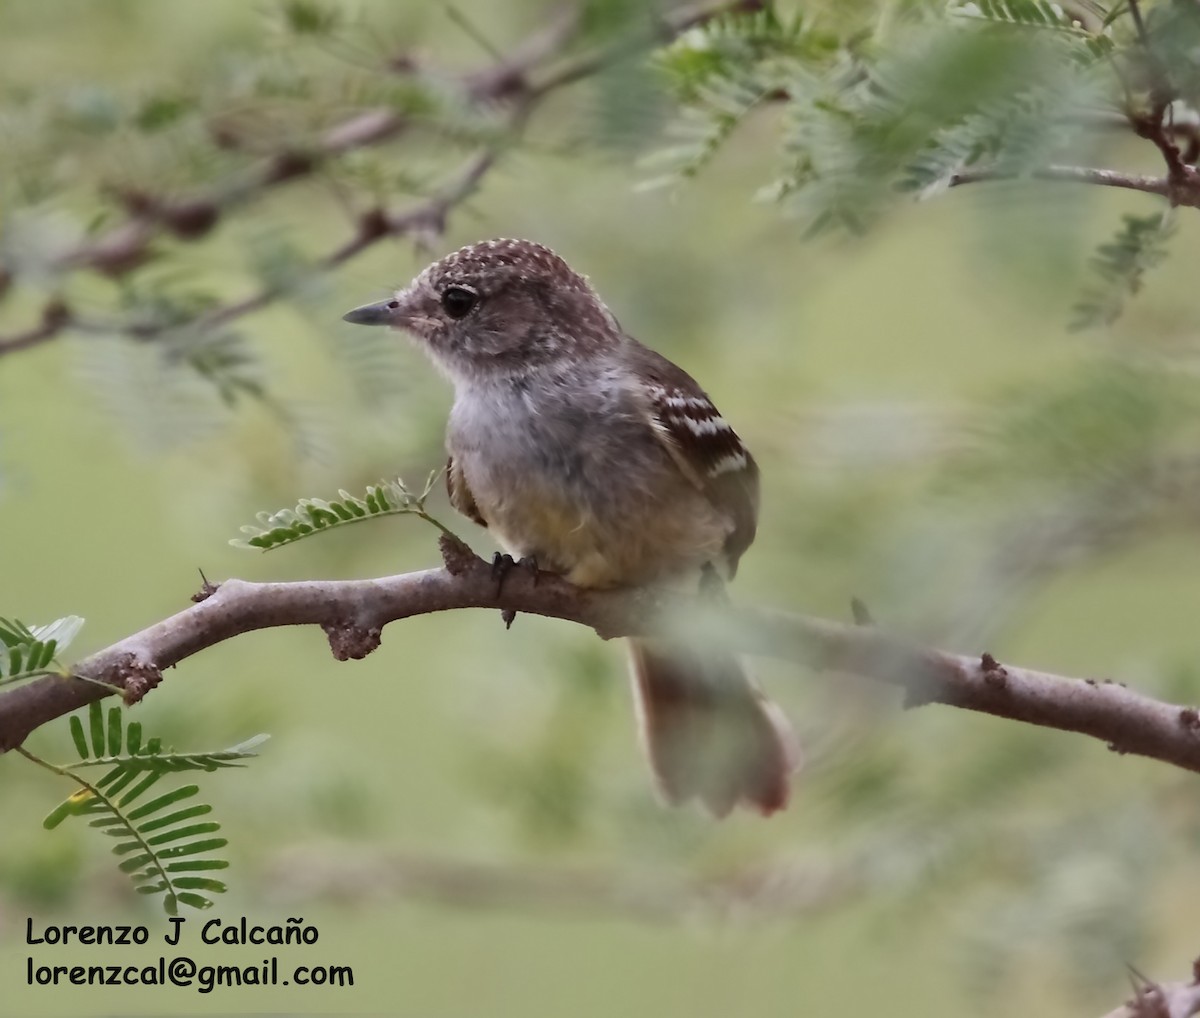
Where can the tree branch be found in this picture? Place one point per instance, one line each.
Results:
(1083, 175)
(513, 81)
(354, 612)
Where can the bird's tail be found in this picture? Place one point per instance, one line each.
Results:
(709, 731)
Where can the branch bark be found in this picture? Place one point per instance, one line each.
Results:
(354, 612)
(1079, 175)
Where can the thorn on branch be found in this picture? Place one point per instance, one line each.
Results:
(136, 678)
(350, 641)
(457, 557)
(509, 615)
(206, 589)
(1190, 718)
(994, 673)
(1148, 999)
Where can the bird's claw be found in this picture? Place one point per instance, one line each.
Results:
(502, 565)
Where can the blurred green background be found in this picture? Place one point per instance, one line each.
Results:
(907, 396)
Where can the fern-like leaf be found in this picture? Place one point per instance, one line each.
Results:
(727, 45)
(315, 515)
(1087, 46)
(29, 651)
(1030, 13)
(702, 128)
(1015, 136)
(1120, 266)
(156, 841)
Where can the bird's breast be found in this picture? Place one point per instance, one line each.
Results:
(581, 482)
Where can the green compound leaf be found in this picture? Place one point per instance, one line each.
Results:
(29, 651)
(1119, 268)
(151, 838)
(316, 515)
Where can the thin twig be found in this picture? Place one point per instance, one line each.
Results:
(127, 246)
(1076, 175)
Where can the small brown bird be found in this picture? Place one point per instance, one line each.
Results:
(599, 459)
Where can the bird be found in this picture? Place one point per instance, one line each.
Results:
(590, 455)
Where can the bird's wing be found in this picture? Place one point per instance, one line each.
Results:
(702, 444)
(460, 495)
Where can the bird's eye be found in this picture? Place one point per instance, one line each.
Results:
(459, 301)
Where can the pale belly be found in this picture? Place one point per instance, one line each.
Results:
(621, 543)
(597, 500)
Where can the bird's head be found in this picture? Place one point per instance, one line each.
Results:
(499, 306)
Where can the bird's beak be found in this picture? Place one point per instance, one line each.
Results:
(385, 312)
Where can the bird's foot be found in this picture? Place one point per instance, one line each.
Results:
(503, 564)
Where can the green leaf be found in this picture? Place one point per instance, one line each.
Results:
(151, 860)
(315, 515)
(121, 778)
(310, 18)
(199, 810)
(72, 806)
(196, 865)
(184, 832)
(140, 788)
(26, 651)
(136, 863)
(133, 738)
(718, 108)
(201, 884)
(1119, 267)
(195, 900)
(62, 631)
(96, 724)
(78, 737)
(194, 848)
(154, 805)
(114, 731)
